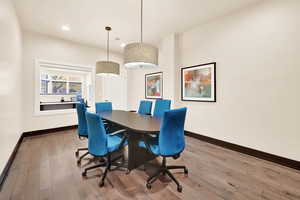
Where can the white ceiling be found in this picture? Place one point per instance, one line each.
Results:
(87, 18)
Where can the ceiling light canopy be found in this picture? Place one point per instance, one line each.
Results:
(123, 45)
(65, 28)
(140, 54)
(104, 68)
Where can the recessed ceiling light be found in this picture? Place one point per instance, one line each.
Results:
(65, 28)
(123, 45)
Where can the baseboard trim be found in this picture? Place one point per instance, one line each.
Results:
(11, 159)
(47, 131)
(10, 162)
(245, 150)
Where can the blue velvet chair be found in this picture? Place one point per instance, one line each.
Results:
(107, 106)
(79, 98)
(145, 107)
(161, 105)
(82, 130)
(82, 101)
(169, 143)
(101, 144)
(103, 106)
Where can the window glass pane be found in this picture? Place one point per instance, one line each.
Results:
(58, 77)
(59, 87)
(44, 76)
(75, 88)
(44, 87)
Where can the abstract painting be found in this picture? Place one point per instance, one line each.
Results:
(154, 85)
(198, 83)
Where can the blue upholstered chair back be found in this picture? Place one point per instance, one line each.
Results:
(97, 144)
(145, 107)
(82, 126)
(103, 106)
(78, 97)
(161, 105)
(81, 101)
(171, 136)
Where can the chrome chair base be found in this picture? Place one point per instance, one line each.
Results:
(80, 149)
(108, 164)
(163, 170)
(82, 156)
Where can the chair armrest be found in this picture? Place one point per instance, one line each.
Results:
(117, 132)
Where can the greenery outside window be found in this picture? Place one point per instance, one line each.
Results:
(75, 88)
(55, 84)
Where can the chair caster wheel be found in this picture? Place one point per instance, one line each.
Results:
(148, 185)
(186, 171)
(179, 188)
(101, 184)
(76, 153)
(84, 174)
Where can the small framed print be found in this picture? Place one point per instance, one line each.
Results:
(198, 83)
(154, 85)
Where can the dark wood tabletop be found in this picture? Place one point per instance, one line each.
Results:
(133, 121)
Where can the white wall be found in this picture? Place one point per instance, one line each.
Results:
(37, 46)
(136, 77)
(10, 81)
(115, 89)
(257, 51)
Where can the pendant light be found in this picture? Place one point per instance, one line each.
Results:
(107, 67)
(140, 54)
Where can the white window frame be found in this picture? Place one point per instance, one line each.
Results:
(58, 65)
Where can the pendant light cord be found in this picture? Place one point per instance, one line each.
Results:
(141, 21)
(107, 45)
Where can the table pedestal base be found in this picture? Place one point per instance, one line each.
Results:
(137, 156)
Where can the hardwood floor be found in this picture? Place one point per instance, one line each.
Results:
(45, 168)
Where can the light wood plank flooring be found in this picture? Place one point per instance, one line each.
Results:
(45, 168)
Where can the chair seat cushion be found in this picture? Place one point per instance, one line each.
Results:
(113, 142)
(153, 143)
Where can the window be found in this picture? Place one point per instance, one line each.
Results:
(59, 87)
(44, 86)
(75, 88)
(52, 83)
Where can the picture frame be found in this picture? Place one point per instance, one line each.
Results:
(154, 85)
(198, 83)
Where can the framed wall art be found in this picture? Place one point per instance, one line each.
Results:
(198, 83)
(154, 85)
